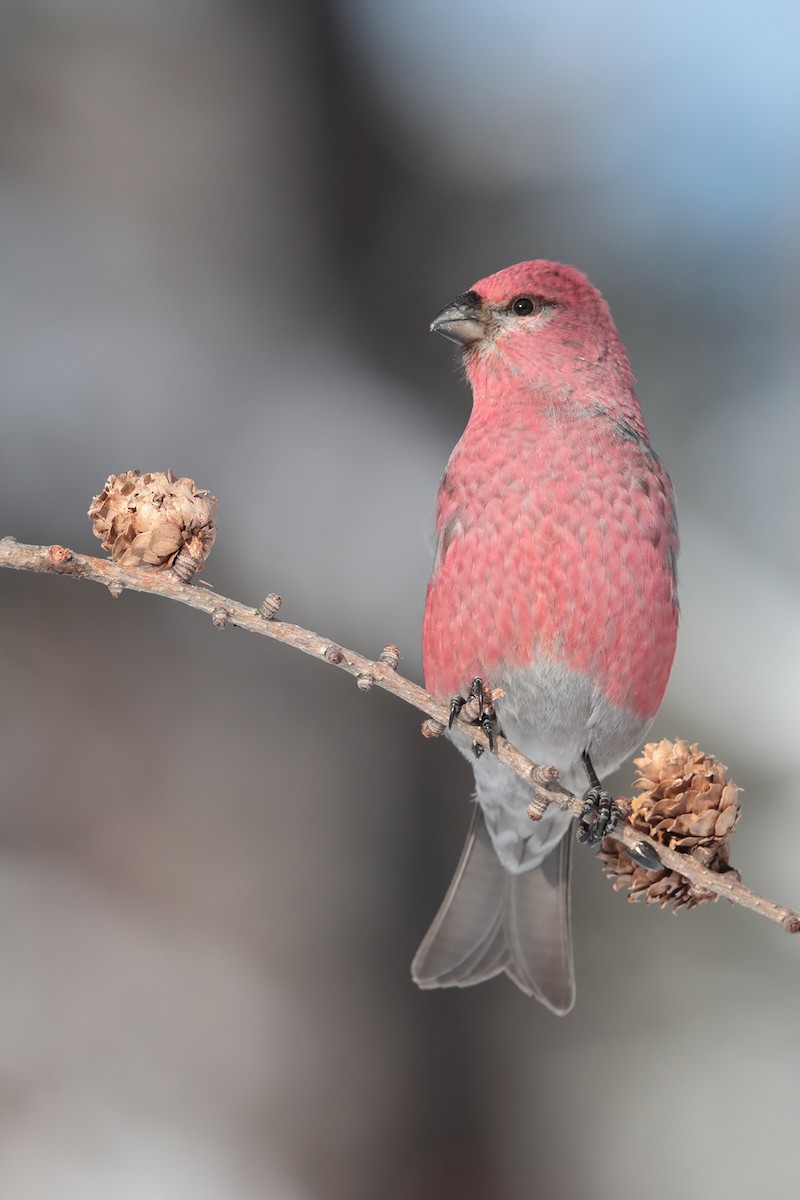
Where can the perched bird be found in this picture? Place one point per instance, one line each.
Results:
(553, 581)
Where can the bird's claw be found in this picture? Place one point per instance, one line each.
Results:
(456, 705)
(600, 813)
(480, 711)
(598, 818)
(488, 724)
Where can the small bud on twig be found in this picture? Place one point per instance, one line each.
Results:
(431, 728)
(390, 656)
(220, 618)
(537, 808)
(269, 606)
(365, 682)
(544, 776)
(59, 556)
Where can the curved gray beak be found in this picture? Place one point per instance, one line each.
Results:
(463, 321)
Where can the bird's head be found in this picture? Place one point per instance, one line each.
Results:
(533, 320)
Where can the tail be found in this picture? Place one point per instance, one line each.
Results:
(492, 921)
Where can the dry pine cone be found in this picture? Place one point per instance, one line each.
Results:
(658, 887)
(686, 797)
(686, 802)
(155, 521)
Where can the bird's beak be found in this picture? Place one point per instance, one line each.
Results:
(463, 321)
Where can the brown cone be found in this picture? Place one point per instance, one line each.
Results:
(155, 521)
(659, 887)
(686, 799)
(686, 802)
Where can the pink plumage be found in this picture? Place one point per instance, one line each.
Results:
(554, 579)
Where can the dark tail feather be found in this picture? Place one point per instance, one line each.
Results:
(491, 921)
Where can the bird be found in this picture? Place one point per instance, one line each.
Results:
(552, 596)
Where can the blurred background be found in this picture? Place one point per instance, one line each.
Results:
(224, 228)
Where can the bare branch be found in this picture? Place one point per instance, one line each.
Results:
(382, 673)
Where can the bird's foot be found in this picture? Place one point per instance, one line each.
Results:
(598, 818)
(600, 813)
(478, 709)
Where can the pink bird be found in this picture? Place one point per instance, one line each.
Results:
(553, 581)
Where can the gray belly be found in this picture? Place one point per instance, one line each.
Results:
(552, 715)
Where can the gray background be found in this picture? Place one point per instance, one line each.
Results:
(224, 228)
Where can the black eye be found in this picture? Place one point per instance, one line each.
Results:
(523, 306)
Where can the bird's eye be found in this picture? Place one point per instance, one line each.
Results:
(523, 306)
